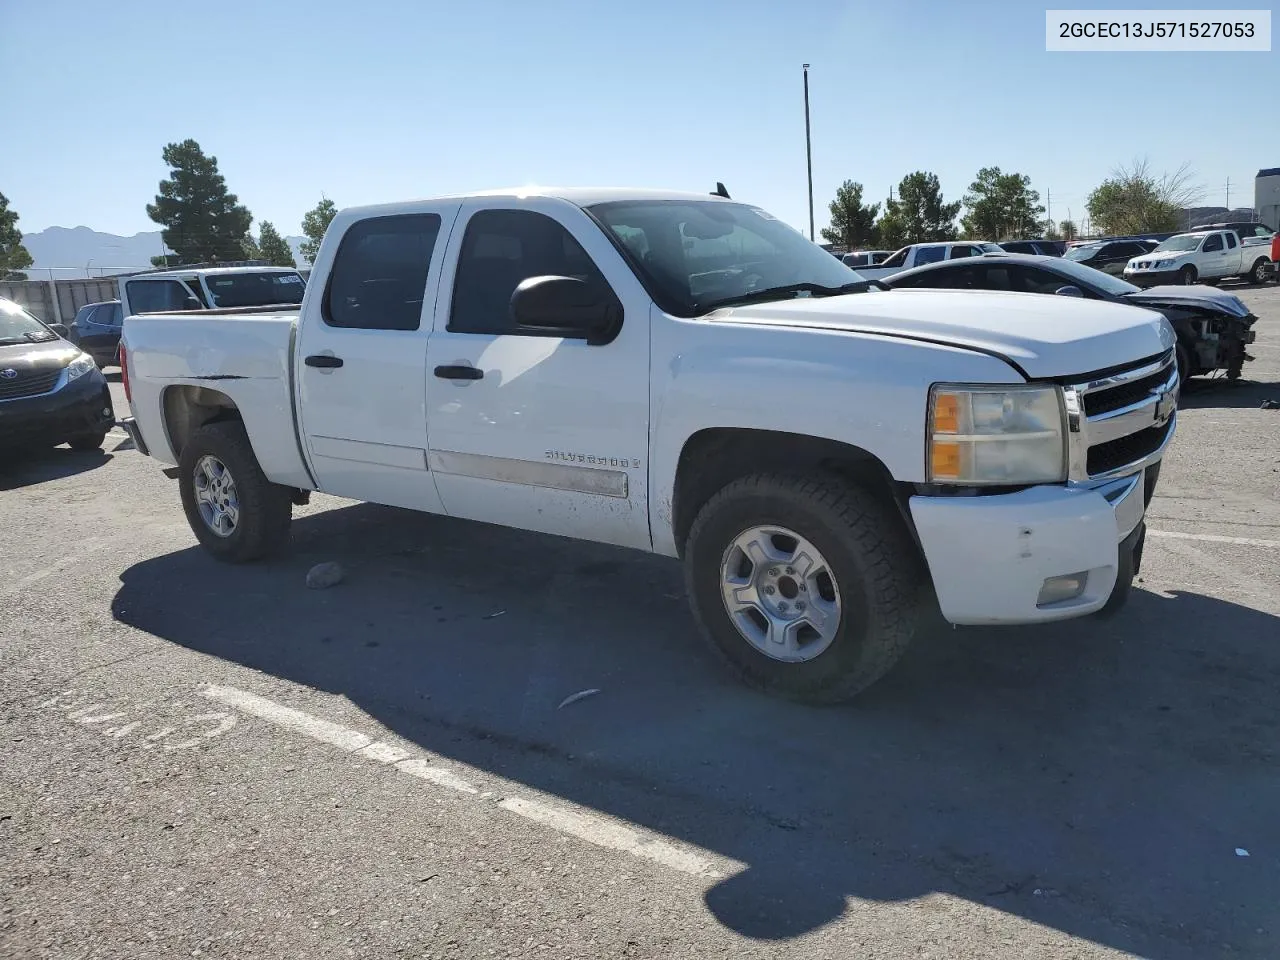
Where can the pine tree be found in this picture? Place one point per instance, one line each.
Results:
(13, 255)
(202, 221)
(273, 248)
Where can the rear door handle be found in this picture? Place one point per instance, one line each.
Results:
(459, 371)
(323, 360)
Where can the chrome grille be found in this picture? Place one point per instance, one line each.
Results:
(1121, 422)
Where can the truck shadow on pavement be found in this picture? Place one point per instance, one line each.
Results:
(1201, 393)
(1095, 776)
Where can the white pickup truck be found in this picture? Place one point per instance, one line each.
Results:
(918, 254)
(167, 291)
(684, 375)
(1203, 255)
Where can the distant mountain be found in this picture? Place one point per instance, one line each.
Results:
(81, 251)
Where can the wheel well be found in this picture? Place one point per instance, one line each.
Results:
(711, 459)
(188, 408)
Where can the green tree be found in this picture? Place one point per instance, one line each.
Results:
(14, 257)
(314, 224)
(853, 224)
(1068, 230)
(918, 214)
(1135, 200)
(249, 248)
(273, 247)
(202, 221)
(1001, 206)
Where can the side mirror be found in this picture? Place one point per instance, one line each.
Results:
(566, 307)
(1070, 290)
(60, 329)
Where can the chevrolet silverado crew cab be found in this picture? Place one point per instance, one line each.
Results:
(167, 291)
(689, 376)
(1204, 255)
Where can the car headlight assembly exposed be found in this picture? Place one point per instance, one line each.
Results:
(80, 366)
(996, 436)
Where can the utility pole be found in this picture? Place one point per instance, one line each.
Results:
(1228, 194)
(808, 148)
(1048, 202)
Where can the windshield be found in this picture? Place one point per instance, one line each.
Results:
(18, 326)
(1183, 243)
(1081, 253)
(695, 255)
(254, 289)
(1094, 278)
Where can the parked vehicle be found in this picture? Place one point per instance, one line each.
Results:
(1109, 256)
(689, 376)
(1213, 327)
(1250, 232)
(1191, 257)
(918, 254)
(1044, 248)
(51, 391)
(215, 288)
(866, 258)
(96, 331)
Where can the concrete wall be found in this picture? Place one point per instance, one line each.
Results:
(56, 301)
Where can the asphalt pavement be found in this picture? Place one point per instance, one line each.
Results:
(202, 760)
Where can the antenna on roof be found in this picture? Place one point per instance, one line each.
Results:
(720, 191)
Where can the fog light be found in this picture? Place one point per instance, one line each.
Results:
(1058, 589)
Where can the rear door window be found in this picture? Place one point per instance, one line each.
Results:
(1231, 240)
(379, 275)
(930, 255)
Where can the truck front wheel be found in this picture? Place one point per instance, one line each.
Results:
(235, 512)
(807, 588)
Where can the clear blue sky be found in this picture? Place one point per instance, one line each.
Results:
(391, 99)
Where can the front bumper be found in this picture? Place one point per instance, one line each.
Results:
(80, 407)
(1153, 278)
(989, 556)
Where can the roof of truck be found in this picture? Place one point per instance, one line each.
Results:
(206, 271)
(579, 196)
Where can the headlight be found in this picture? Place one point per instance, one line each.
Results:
(996, 435)
(80, 366)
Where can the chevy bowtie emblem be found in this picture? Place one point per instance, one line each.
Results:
(8, 374)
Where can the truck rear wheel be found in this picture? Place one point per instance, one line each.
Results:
(235, 512)
(1258, 274)
(807, 588)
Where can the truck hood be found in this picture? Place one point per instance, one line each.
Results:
(1044, 336)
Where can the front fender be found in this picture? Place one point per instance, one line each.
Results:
(866, 390)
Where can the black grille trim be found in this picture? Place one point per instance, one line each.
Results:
(1114, 454)
(29, 384)
(1124, 395)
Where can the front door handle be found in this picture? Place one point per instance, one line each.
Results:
(323, 360)
(459, 371)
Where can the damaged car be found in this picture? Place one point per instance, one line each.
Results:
(1214, 328)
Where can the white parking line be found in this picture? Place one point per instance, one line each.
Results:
(594, 829)
(1213, 538)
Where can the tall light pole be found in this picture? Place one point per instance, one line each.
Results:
(808, 147)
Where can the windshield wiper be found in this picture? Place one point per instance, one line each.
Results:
(783, 292)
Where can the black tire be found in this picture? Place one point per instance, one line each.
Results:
(88, 441)
(874, 567)
(1184, 363)
(265, 508)
(1187, 275)
(1259, 272)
